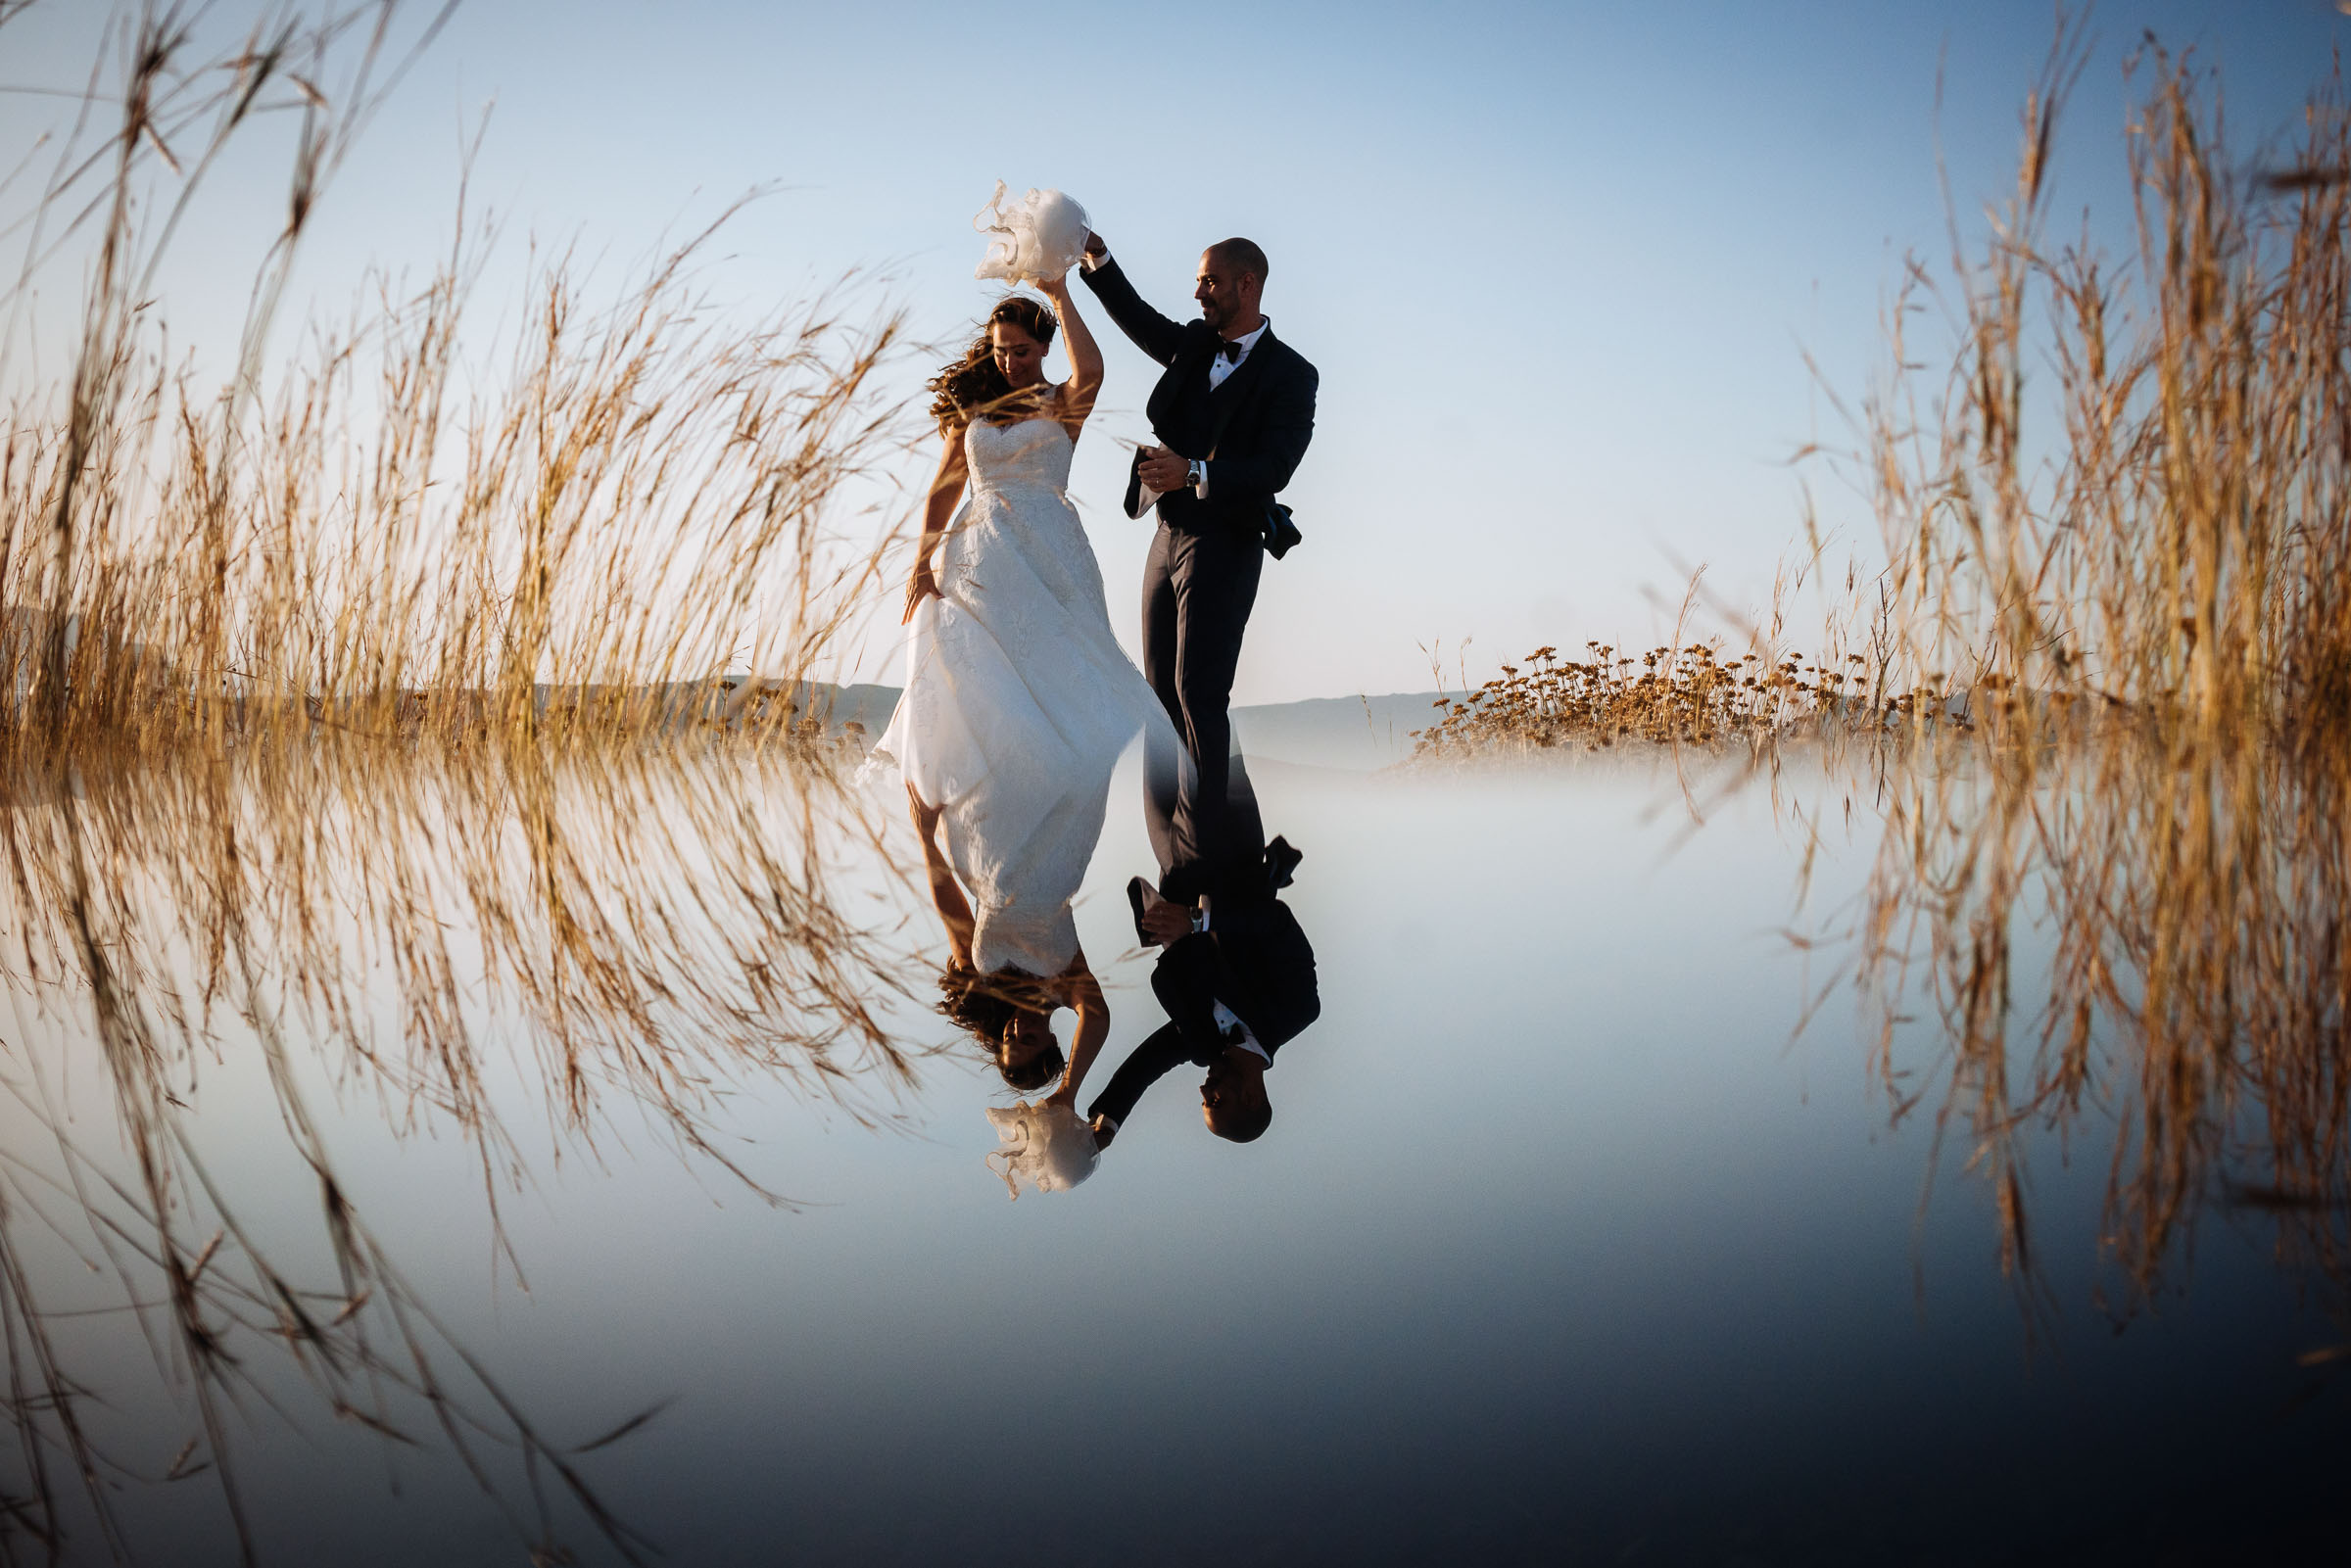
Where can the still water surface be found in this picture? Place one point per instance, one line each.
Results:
(1566, 1245)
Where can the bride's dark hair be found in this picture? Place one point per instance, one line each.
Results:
(985, 1005)
(972, 388)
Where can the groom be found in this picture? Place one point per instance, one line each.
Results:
(1233, 414)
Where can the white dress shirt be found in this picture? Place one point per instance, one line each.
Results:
(1229, 1020)
(1219, 367)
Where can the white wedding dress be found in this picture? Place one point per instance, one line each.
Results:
(1018, 699)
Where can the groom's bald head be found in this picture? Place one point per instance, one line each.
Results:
(1232, 277)
(1242, 256)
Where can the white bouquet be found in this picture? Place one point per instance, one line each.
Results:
(1045, 1143)
(1037, 239)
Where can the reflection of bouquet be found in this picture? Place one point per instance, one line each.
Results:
(1037, 239)
(1045, 1143)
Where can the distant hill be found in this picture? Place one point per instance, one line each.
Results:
(1356, 734)
(1359, 733)
(863, 703)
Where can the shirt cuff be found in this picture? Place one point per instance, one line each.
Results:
(1090, 263)
(1201, 488)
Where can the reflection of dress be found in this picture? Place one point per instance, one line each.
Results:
(1018, 697)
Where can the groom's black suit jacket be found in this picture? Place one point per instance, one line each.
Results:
(1252, 430)
(1253, 958)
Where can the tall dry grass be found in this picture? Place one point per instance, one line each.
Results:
(2132, 481)
(381, 533)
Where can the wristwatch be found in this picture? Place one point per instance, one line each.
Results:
(1195, 472)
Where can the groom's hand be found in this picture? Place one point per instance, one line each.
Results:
(1162, 470)
(1166, 922)
(1096, 246)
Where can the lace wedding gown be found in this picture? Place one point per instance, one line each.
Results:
(1018, 699)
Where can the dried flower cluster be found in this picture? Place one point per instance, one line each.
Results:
(1671, 696)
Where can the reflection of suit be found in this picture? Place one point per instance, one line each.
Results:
(1253, 958)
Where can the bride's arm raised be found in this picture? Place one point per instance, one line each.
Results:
(946, 490)
(1085, 357)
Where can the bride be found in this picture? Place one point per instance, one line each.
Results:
(1017, 695)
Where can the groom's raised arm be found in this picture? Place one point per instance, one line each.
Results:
(1146, 328)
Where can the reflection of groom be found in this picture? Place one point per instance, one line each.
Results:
(1233, 415)
(1236, 974)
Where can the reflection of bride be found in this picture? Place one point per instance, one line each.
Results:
(1018, 697)
(1013, 953)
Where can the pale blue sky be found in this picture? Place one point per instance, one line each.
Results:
(1558, 263)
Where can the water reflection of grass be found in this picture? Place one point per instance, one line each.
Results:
(2197, 891)
(634, 936)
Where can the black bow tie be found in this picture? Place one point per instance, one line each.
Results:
(1232, 349)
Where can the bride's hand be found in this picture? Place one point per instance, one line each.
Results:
(919, 587)
(1055, 289)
